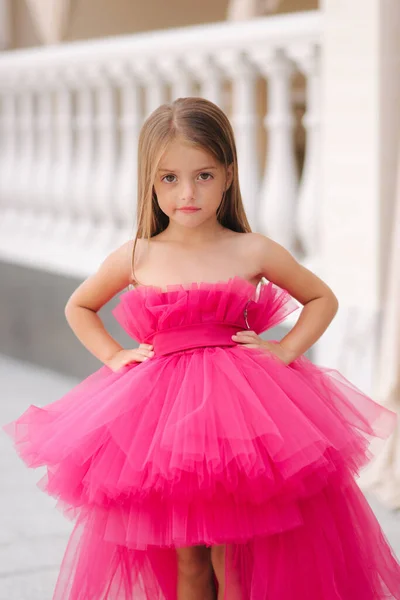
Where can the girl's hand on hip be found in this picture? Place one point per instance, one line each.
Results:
(249, 339)
(126, 357)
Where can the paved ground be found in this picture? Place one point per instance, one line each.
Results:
(33, 534)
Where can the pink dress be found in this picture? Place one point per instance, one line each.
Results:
(212, 443)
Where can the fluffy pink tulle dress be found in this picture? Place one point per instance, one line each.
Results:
(212, 443)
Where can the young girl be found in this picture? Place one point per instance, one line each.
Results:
(208, 463)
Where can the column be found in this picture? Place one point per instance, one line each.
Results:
(360, 97)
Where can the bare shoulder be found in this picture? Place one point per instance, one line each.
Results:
(278, 265)
(111, 277)
(254, 246)
(248, 246)
(275, 262)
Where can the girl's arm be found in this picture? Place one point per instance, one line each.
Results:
(81, 309)
(319, 301)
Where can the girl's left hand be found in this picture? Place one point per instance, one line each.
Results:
(250, 339)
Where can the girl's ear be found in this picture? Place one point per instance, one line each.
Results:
(229, 176)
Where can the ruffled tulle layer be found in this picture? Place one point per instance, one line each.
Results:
(266, 431)
(336, 552)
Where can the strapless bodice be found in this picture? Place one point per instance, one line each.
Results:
(146, 311)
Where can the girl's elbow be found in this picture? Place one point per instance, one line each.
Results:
(334, 303)
(69, 310)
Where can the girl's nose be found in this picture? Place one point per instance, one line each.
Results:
(188, 190)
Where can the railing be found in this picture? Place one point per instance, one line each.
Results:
(70, 118)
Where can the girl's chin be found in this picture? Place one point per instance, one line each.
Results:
(189, 220)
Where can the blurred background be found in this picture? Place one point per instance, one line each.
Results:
(313, 92)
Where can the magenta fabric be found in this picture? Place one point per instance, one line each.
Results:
(195, 335)
(212, 443)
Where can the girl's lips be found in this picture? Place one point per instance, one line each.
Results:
(188, 209)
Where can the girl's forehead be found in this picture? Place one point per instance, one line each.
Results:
(182, 153)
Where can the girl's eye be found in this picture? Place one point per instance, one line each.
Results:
(207, 174)
(165, 178)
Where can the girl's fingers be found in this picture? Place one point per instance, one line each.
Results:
(141, 358)
(138, 355)
(146, 346)
(250, 345)
(144, 351)
(246, 332)
(136, 358)
(244, 338)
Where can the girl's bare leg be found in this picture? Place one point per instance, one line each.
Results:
(195, 574)
(230, 587)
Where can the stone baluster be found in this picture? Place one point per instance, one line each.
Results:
(180, 78)
(309, 198)
(27, 154)
(10, 159)
(279, 188)
(81, 197)
(103, 174)
(130, 120)
(63, 157)
(210, 76)
(42, 174)
(154, 84)
(245, 122)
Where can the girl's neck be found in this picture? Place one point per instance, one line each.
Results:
(207, 232)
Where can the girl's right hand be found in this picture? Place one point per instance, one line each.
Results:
(125, 357)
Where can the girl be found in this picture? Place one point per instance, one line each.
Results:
(208, 463)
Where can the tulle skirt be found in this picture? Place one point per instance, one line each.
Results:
(214, 446)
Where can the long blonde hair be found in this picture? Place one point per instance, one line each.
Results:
(204, 124)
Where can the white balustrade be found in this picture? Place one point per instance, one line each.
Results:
(70, 118)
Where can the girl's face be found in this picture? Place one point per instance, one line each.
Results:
(190, 183)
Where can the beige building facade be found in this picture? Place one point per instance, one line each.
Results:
(101, 18)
